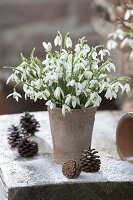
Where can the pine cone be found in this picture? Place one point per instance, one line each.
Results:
(71, 169)
(90, 162)
(29, 123)
(27, 148)
(14, 137)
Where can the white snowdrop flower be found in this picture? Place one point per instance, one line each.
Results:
(124, 43)
(112, 66)
(58, 92)
(94, 55)
(58, 39)
(38, 83)
(97, 100)
(50, 104)
(15, 95)
(126, 88)
(131, 55)
(116, 86)
(103, 86)
(79, 86)
(110, 94)
(25, 87)
(120, 34)
(93, 83)
(71, 83)
(12, 77)
(38, 95)
(64, 55)
(83, 61)
(111, 44)
(84, 51)
(88, 74)
(47, 93)
(103, 53)
(74, 101)
(86, 46)
(65, 109)
(93, 95)
(77, 48)
(68, 42)
(84, 84)
(68, 99)
(87, 103)
(102, 76)
(78, 92)
(48, 46)
(128, 14)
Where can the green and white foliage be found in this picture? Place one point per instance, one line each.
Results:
(68, 78)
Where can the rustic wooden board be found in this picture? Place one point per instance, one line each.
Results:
(41, 179)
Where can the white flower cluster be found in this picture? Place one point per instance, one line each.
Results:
(124, 36)
(68, 79)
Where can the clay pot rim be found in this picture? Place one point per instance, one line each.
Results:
(88, 108)
(124, 117)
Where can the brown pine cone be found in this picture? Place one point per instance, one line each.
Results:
(89, 161)
(29, 123)
(27, 148)
(14, 137)
(71, 169)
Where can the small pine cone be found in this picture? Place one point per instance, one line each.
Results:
(71, 169)
(27, 148)
(29, 123)
(89, 161)
(14, 137)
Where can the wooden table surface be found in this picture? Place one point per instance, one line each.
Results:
(40, 178)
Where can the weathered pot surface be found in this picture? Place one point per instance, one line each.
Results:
(72, 133)
(124, 137)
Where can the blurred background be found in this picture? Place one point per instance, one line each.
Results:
(26, 24)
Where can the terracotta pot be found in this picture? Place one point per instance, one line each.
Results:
(71, 133)
(124, 137)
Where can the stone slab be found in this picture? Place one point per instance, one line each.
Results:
(40, 178)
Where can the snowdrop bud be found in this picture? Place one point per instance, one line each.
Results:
(77, 48)
(68, 41)
(58, 39)
(111, 44)
(48, 46)
(58, 92)
(94, 55)
(112, 66)
(126, 88)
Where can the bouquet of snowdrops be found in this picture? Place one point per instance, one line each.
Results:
(123, 35)
(66, 78)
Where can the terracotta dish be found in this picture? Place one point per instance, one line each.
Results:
(124, 137)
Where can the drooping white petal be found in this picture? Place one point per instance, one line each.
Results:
(68, 42)
(111, 44)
